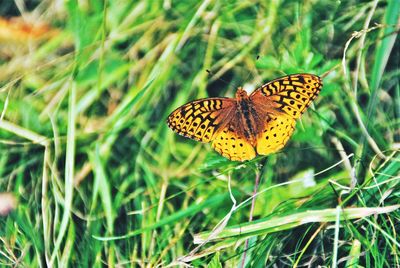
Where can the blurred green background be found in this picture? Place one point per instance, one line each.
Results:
(100, 180)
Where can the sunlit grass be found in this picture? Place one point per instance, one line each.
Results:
(101, 180)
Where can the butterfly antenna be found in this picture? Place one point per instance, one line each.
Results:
(248, 76)
(219, 78)
(249, 73)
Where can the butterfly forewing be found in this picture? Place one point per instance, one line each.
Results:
(290, 94)
(201, 119)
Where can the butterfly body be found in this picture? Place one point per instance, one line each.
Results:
(242, 127)
(246, 114)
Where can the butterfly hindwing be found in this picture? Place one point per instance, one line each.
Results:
(232, 146)
(275, 135)
(201, 119)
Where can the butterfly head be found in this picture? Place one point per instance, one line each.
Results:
(241, 94)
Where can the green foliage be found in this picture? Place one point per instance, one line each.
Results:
(101, 180)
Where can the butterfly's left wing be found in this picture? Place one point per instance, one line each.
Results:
(231, 144)
(282, 101)
(201, 119)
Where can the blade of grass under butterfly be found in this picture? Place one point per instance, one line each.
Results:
(287, 222)
(214, 201)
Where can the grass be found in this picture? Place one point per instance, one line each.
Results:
(101, 180)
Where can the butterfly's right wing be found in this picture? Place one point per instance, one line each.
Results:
(202, 119)
(291, 94)
(281, 102)
(276, 134)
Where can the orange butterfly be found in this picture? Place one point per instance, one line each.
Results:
(240, 127)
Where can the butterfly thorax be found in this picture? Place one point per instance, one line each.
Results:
(246, 116)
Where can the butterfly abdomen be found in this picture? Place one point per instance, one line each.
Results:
(247, 119)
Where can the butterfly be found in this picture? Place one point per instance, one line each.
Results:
(260, 123)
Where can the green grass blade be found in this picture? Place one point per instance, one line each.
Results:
(287, 222)
(209, 203)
